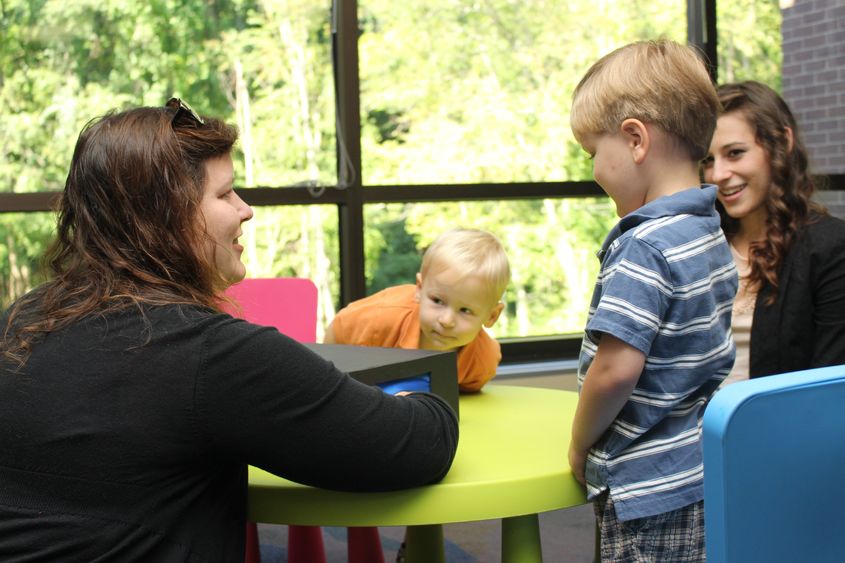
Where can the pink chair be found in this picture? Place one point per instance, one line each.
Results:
(290, 305)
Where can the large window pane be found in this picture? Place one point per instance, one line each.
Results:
(280, 241)
(550, 243)
(296, 241)
(467, 92)
(264, 65)
(279, 64)
(23, 239)
(749, 41)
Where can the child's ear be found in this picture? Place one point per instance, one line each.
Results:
(494, 314)
(419, 288)
(637, 137)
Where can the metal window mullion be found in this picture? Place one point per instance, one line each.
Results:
(347, 92)
(701, 31)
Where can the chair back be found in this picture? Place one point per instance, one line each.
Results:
(289, 304)
(774, 469)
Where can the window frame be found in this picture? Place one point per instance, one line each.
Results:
(354, 196)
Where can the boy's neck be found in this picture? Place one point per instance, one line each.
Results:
(668, 169)
(671, 178)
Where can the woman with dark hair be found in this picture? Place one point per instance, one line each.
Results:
(789, 313)
(130, 405)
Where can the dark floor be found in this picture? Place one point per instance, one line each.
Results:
(567, 536)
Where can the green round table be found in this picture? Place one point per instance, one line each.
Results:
(511, 464)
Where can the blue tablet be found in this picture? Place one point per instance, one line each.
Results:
(421, 383)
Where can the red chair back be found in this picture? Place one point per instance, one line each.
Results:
(289, 304)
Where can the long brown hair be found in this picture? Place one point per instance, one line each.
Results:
(789, 206)
(128, 223)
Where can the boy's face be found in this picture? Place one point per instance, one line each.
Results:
(453, 309)
(615, 171)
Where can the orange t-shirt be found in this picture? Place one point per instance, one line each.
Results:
(391, 319)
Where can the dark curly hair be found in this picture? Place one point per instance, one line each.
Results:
(789, 206)
(128, 231)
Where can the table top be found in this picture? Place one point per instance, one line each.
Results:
(511, 461)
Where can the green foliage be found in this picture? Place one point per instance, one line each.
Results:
(295, 241)
(264, 65)
(750, 41)
(481, 90)
(452, 91)
(550, 244)
(397, 259)
(24, 238)
(284, 57)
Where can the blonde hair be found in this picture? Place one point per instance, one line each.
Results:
(659, 82)
(470, 252)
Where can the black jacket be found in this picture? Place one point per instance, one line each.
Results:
(805, 327)
(126, 438)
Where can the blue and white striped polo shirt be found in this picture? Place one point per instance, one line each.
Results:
(666, 286)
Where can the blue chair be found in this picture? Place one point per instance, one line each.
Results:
(774, 469)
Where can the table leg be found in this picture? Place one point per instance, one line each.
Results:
(521, 539)
(424, 544)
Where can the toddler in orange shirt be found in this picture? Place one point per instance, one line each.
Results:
(459, 288)
(462, 279)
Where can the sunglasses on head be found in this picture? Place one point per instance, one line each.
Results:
(183, 110)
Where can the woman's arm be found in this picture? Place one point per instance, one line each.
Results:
(270, 402)
(829, 297)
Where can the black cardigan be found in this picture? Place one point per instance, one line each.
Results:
(805, 327)
(127, 437)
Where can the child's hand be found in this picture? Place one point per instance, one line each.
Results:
(577, 462)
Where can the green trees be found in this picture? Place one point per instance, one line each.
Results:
(264, 65)
(452, 91)
(468, 92)
(465, 92)
(25, 236)
(750, 46)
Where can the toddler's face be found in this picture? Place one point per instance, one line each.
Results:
(453, 309)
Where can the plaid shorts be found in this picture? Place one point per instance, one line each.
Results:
(671, 537)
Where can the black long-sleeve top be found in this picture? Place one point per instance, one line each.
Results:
(126, 437)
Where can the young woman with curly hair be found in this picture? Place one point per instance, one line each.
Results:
(789, 313)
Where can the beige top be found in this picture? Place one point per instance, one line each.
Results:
(743, 313)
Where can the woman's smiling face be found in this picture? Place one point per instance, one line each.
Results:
(223, 212)
(739, 166)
